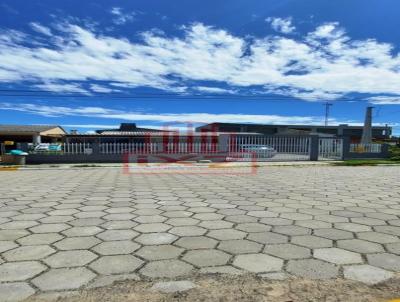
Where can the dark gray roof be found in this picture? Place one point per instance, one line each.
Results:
(26, 128)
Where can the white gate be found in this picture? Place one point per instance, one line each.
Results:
(330, 149)
(270, 148)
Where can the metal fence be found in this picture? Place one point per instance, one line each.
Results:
(239, 148)
(152, 148)
(70, 148)
(270, 148)
(366, 148)
(330, 149)
(77, 148)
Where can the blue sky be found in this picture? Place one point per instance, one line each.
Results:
(93, 64)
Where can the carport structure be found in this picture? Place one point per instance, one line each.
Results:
(31, 133)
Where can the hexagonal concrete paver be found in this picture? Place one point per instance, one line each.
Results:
(224, 269)
(39, 239)
(188, 231)
(156, 238)
(385, 260)
(20, 271)
(82, 231)
(368, 221)
(226, 234)
(49, 228)
(268, 238)
(197, 242)
(202, 258)
(313, 224)
(291, 230)
(20, 225)
(240, 218)
(391, 230)
(311, 241)
(253, 227)
(352, 227)
(119, 225)
(287, 251)
(15, 291)
(333, 234)
(70, 258)
(239, 246)
(208, 216)
(166, 269)
(150, 219)
(63, 279)
(337, 256)
(121, 247)
(360, 246)
(258, 263)
(393, 248)
(216, 224)
(366, 274)
(377, 237)
(119, 216)
(34, 252)
(152, 227)
(312, 268)
(76, 243)
(116, 264)
(7, 245)
(159, 252)
(182, 221)
(114, 235)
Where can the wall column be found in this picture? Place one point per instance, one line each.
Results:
(36, 139)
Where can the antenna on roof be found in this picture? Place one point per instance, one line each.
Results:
(327, 111)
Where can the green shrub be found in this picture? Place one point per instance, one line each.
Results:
(394, 153)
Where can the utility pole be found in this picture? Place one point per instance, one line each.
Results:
(327, 110)
(367, 130)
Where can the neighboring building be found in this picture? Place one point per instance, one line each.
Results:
(122, 137)
(130, 133)
(128, 127)
(343, 130)
(31, 133)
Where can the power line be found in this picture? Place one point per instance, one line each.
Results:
(52, 94)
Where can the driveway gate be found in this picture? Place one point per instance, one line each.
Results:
(330, 149)
(270, 148)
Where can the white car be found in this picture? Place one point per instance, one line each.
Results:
(48, 147)
(263, 151)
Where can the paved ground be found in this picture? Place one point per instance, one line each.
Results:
(66, 229)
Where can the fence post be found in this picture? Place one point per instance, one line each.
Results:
(385, 150)
(96, 148)
(346, 147)
(314, 147)
(223, 142)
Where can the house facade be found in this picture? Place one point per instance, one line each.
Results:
(343, 130)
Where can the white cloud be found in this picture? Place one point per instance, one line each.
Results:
(90, 126)
(183, 118)
(325, 63)
(282, 25)
(215, 90)
(385, 100)
(62, 87)
(121, 17)
(41, 29)
(101, 89)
